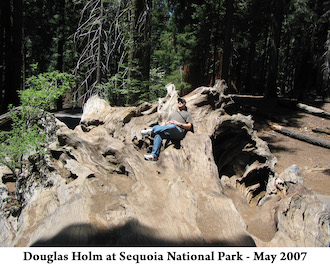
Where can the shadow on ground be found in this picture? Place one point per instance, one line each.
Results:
(275, 144)
(130, 234)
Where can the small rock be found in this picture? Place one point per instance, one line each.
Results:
(294, 169)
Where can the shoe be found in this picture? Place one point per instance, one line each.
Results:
(150, 158)
(146, 132)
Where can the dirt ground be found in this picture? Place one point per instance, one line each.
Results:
(314, 161)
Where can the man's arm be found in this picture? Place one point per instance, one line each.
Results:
(186, 126)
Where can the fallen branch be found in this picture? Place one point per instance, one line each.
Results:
(6, 117)
(313, 110)
(301, 136)
(306, 108)
(321, 130)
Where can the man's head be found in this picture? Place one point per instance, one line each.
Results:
(181, 100)
(182, 104)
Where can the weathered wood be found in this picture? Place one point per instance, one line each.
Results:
(219, 188)
(301, 136)
(243, 96)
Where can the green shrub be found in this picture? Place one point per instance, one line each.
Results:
(23, 138)
(43, 90)
(26, 135)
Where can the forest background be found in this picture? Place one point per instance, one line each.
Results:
(128, 50)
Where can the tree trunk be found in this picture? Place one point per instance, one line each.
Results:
(2, 31)
(99, 48)
(17, 44)
(139, 57)
(251, 58)
(227, 42)
(61, 31)
(217, 57)
(60, 45)
(12, 50)
(276, 25)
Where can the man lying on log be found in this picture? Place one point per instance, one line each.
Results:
(175, 129)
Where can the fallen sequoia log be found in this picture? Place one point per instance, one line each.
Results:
(218, 188)
(301, 136)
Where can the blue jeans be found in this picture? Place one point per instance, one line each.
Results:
(170, 131)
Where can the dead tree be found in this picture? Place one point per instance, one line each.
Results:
(106, 41)
(100, 40)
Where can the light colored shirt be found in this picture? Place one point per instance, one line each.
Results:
(183, 117)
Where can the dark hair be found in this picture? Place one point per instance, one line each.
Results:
(182, 100)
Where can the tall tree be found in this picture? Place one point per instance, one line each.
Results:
(320, 46)
(228, 32)
(141, 47)
(2, 54)
(60, 45)
(61, 33)
(11, 64)
(277, 15)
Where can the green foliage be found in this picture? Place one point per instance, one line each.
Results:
(188, 35)
(157, 84)
(43, 90)
(177, 78)
(165, 56)
(120, 88)
(47, 35)
(24, 138)
(26, 135)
